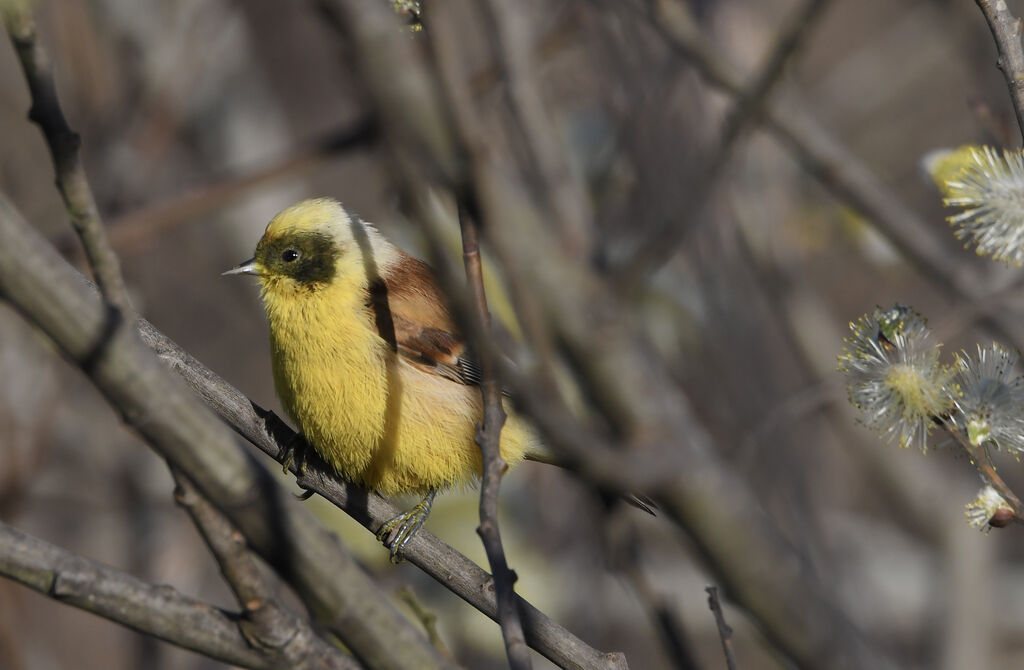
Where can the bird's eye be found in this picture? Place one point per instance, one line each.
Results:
(289, 255)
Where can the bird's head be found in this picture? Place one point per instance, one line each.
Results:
(313, 244)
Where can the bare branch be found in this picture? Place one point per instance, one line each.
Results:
(265, 623)
(724, 630)
(551, 175)
(625, 549)
(1006, 29)
(489, 438)
(450, 568)
(64, 146)
(160, 611)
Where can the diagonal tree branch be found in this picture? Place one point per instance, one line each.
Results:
(746, 111)
(268, 626)
(154, 610)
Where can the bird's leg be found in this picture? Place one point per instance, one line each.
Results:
(396, 532)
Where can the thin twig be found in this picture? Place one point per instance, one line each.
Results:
(724, 631)
(489, 438)
(624, 550)
(64, 146)
(160, 611)
(1006, 29)
(266, 624)
(982, 462)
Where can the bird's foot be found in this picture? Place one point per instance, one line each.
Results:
(396, 533)
(295, 453)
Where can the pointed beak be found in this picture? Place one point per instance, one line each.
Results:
(247, 268)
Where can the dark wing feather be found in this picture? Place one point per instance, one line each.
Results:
(410, 313)
(437, 351)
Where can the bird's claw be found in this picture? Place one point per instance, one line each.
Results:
(295, 452)
(396, 532)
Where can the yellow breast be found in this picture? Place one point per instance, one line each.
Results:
(377, 419)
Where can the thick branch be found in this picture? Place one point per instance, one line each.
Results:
(154, 610)
(489, 439)
(1006, 30)
(450, 568)
(266, 624)
(333, 585)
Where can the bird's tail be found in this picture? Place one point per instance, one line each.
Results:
(638, 501)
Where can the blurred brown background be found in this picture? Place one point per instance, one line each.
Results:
(172, 99)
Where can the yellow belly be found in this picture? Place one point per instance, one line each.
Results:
(378, 420)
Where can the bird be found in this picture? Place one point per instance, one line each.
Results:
(368, 363)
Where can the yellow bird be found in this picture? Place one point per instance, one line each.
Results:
(367, 361)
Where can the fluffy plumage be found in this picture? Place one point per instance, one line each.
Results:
(366, 358)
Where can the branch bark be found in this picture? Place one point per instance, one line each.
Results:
(489, 439)
(1006, 29)
(160, 611)
(268, 626)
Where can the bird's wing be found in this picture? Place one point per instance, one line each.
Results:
(437, 351)
(410, 313)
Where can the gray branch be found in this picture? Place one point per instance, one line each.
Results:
(266, 623)
(160, 611)
(1006, 30)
